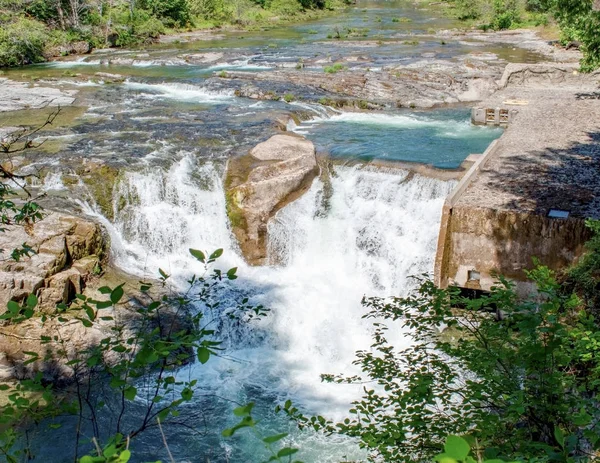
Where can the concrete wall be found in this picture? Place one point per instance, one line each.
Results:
(491, 241)
(493, 116)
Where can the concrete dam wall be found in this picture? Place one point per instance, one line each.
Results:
(529, 195)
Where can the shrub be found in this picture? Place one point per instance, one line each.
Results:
(150, 29)
(22, 42)
(467, 9)
(337, 67)
(520, 378)
(285, 7)
(175, 12)
(506, 14)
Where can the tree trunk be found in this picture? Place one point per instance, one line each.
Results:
(74, 12)
(61, 15)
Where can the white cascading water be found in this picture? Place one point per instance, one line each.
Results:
(375, 229)
(379, 228)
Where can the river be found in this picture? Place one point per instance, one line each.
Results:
(169, 128)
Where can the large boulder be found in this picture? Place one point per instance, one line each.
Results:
(67, 249)
(273, 174)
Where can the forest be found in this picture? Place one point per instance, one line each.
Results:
(36, 30)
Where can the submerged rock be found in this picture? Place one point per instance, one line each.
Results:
(272, 175)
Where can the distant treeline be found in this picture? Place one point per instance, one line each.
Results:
(579, 21)
(32, 30)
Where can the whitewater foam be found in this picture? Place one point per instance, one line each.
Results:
(181, 92)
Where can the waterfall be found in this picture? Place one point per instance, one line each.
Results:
(363, 234)
(367, 236)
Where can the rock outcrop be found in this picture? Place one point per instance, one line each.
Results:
(81, 47)
(422, 85)
(273, 174)
(20, 95)
(68, 249)
(546, 75)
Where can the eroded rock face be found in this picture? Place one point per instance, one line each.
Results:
(545, 75)
(67, 251)
(273, 174)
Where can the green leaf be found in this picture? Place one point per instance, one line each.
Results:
(130, 392)
(105, 290)
(125, 456)
(228, 432)
(275, 438)
(103, 304)
(559, 435)
(163, 273)
(444, 458)
(32, 300)
(116, 294)
(286, 452)
(90, 312)
(215, 255)
(187, 394)
(13, 307)
(203, 355)
(244, 411)
(198, 255)
(153, 305)
(85, 322)
(456, 447)
(231, 273)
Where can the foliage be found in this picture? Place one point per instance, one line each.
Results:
(519, 377)
(176, 12)
(31, 28)
(22, 42)
(279, 454)
(150, 29)
(458, 450)
(583, 22)
(286, 7)
(135, 364)
(468, 9)
(584, 277)
(337, 67)
(577, 19)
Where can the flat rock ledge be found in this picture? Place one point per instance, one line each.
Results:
(273, 174)
(16, 96)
